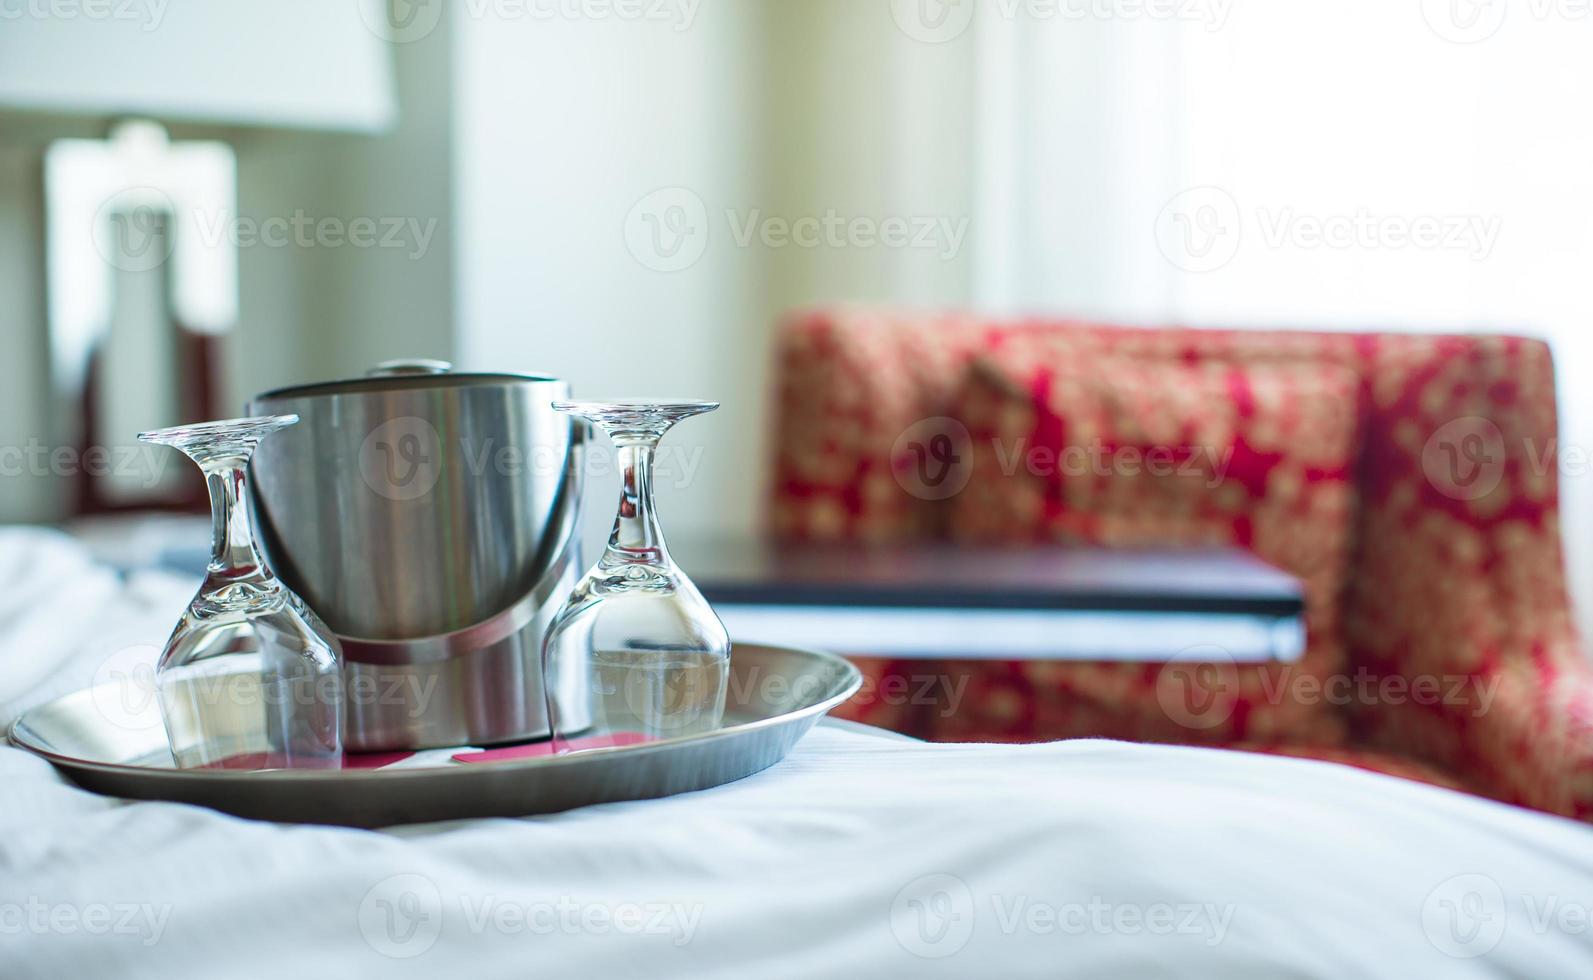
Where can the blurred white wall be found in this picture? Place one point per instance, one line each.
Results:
(868, 124)
(637, 201)
(561, 127)
(24, 371)
(325, 311)
(389, 301)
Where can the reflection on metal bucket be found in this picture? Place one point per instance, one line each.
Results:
(430, 518)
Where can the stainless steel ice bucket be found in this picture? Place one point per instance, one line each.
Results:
(430, 518)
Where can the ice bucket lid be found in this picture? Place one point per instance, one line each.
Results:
(403, 375)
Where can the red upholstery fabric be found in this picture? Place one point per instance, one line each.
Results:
(1074, 442)
(847, 391)
(1408, 480)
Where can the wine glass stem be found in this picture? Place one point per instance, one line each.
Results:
(637, 536)
(233, 556)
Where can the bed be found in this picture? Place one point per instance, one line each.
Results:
(862, 854)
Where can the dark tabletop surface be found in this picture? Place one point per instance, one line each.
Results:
(1207, 580)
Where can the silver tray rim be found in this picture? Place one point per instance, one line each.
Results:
(848, 684)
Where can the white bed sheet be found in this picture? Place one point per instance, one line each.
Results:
(857, 856)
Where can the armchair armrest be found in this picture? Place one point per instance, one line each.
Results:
(1460, 582)
(1532, 740)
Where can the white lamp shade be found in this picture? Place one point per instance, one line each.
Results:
(311, 64)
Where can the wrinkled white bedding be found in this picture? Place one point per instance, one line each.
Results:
(858, 856)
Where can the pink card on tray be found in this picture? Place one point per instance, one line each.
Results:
(535, 749)
(436, 757)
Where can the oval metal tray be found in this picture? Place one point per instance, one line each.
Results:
(775, 695)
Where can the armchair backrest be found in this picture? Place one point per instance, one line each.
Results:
(1452, 554)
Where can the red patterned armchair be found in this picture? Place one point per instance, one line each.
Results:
(1409, 481)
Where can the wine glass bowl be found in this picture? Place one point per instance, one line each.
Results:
(635, 632)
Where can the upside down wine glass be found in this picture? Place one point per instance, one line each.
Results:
(251, 678)
(635, 640)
